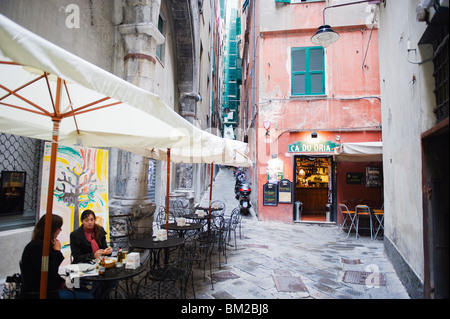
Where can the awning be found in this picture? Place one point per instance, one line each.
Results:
(359, 152)
(98, 109)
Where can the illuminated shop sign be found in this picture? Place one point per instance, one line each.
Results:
(308, 147)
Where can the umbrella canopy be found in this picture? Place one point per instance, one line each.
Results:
(125, 116)
(359, 152)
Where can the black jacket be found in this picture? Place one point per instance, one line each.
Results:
(81, 247)
(31, 270)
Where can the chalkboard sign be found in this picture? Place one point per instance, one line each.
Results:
(355, 178)
(270, 194)
(285, 191)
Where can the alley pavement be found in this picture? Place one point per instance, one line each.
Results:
(273, 260)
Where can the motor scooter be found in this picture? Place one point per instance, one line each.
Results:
(240, 179)
(244, 198)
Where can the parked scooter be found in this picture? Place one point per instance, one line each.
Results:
(240, 179)
(242, 191)
(244, 198)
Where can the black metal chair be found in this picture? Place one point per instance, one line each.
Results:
(232, 223)
(217, 204)
(170, 284)
(203, 251)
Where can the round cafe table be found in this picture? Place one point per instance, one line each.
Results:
(155, 247)
(181, 230)
(114, 274)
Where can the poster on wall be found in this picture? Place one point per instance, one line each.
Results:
(81, 182)
(374, 177)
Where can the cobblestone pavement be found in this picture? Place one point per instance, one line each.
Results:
(274, 260)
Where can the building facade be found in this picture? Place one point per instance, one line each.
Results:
(301, 101)
(413, 39)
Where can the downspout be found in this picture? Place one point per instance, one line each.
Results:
(212, 62)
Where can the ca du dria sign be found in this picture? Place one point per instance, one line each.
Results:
(299, 147)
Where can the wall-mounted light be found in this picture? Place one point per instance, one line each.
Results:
(325, 35)
(313, 135)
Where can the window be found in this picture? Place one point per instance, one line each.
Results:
(308, 71)
(160, 47)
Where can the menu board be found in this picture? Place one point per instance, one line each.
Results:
(285, 191)
(374, 177)
(270, 194)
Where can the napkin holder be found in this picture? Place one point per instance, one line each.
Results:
(161, 235)
(181, 221)
(133, 261)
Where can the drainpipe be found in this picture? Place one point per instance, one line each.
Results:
(211, 98)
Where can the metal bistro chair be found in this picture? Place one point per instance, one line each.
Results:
(217, 204)
(347, 216)
(379, 217)
(204, 249)
(363, 210)
(232, 223)
(171, 284)
(220, 232)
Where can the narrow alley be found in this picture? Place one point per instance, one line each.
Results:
(273, 260)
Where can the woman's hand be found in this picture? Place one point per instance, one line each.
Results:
(99, 253)
(108, 251)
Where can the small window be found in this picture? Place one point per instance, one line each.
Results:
(160, 47)
(308, 71)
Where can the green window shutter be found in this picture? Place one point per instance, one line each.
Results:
(308, 71)
(285, 1)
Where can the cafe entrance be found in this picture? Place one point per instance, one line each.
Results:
(314, 176)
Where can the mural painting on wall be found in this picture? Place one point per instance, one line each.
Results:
(81, 182)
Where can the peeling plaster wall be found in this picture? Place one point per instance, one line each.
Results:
(406, 112)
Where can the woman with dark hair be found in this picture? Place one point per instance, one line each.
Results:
(88, 242)
(31, 262)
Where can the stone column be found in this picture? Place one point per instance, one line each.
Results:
(131, 212)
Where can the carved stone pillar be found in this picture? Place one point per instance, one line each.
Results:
(131, 211)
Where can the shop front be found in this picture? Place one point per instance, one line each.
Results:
(305, 181)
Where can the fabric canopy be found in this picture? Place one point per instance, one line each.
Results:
(359, 152)
(98, 108)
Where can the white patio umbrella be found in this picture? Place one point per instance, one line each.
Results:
(51, 94)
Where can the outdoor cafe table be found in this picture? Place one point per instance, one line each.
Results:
(181, 230)
(155, 247)
(113, 274)
(206, 209)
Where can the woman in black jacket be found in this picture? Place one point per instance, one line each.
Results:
(31, 262)
(88, 242)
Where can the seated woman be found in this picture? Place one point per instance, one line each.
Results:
(88, 242)
(32, 259)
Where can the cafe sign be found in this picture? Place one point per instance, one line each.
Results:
(305, 147)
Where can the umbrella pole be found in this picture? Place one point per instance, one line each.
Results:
(51, 186)
(210, 194)
(167, 190)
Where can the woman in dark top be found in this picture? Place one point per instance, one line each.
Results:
(32, 259)
(88, 242)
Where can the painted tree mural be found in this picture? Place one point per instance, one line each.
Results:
(81, 182)
(78, 190)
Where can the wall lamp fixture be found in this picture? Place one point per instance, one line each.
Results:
(325, 35)
(313, 135)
